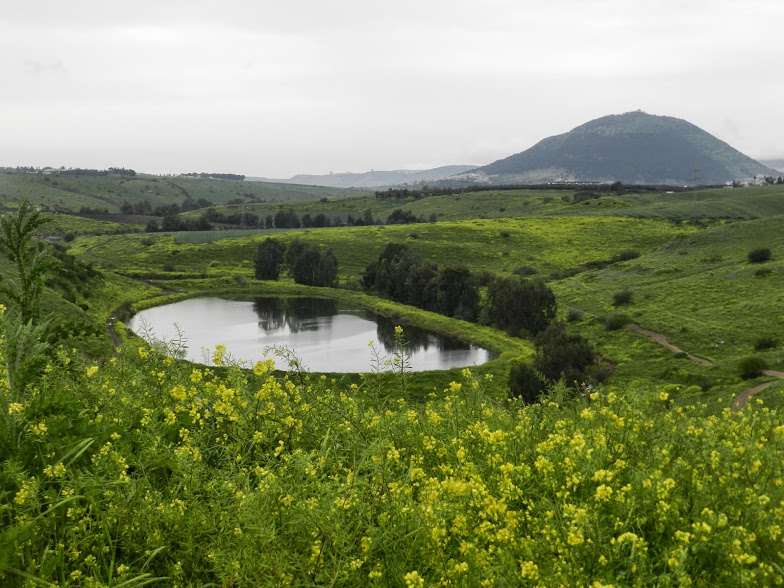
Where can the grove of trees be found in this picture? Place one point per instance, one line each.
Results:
(307, 264)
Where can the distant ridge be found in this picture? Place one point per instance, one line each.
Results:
(376, 179)
(777, 164)
(634, 148)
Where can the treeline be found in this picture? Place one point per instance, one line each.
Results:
(305, 263)
(78, 171)
(448, 188)
(215, 176)
(282, 219)
(521, 307)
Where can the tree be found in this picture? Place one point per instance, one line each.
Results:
(294, 250)
(458, 294)
(526, 383)
(269, 259)
(23, 336)
(520, 306)
(560, 354)
(31, 261)
(314, 268)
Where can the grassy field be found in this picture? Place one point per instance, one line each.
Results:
(698, 289)
(706, 205)
(502, 245)
(130, 467)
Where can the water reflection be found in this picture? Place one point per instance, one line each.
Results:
(325, 335)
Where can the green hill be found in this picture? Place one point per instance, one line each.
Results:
(634, 148)
(70, 193)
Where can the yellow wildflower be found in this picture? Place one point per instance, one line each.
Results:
(413, 580)
(15, 408)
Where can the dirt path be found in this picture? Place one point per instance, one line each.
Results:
(741, 399)
(664, 342)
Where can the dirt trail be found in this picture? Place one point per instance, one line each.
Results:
(741, 399)
(664, 342)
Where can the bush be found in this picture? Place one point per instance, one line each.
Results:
(526, 383)
(760, 255)
(764, 343)
(616, 321)
(622, 298)
(763, 272)
(751, 367)
(560, 354)
(574, 315)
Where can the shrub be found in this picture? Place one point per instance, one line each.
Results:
(615, 321)
(751, 367)
(763, 272)
(764, 343)
(760, 255)
(622, 298)
(574, 315)
(526, 383)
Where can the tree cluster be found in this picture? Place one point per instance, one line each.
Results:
(400, 275)
(306, 263)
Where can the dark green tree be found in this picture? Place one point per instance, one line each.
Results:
(458, 294)
(560, 354)
(520, 306)
(526, 383)
(269, 259)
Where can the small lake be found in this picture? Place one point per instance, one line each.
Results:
(324, 335)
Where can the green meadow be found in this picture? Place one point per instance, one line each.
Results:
(124, 465)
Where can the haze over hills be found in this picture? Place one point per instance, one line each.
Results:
(634, 148)
(777, 164)
(375, 178)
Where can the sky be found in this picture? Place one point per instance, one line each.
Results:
(277, 88)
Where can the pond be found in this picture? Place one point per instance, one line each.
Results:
(324, 335)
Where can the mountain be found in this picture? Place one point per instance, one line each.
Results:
(377, 179)
(634, 148)
(777, 164)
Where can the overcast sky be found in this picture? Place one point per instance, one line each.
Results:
(276, 88)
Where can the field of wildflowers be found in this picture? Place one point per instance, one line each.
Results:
(145, 470)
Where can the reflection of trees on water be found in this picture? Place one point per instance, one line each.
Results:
(417, 339)
(308, 314)
(298, 314)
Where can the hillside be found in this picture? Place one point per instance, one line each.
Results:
(70, 193)
(634, 148)
(377, 179)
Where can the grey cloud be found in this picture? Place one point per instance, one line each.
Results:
(276, 88)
